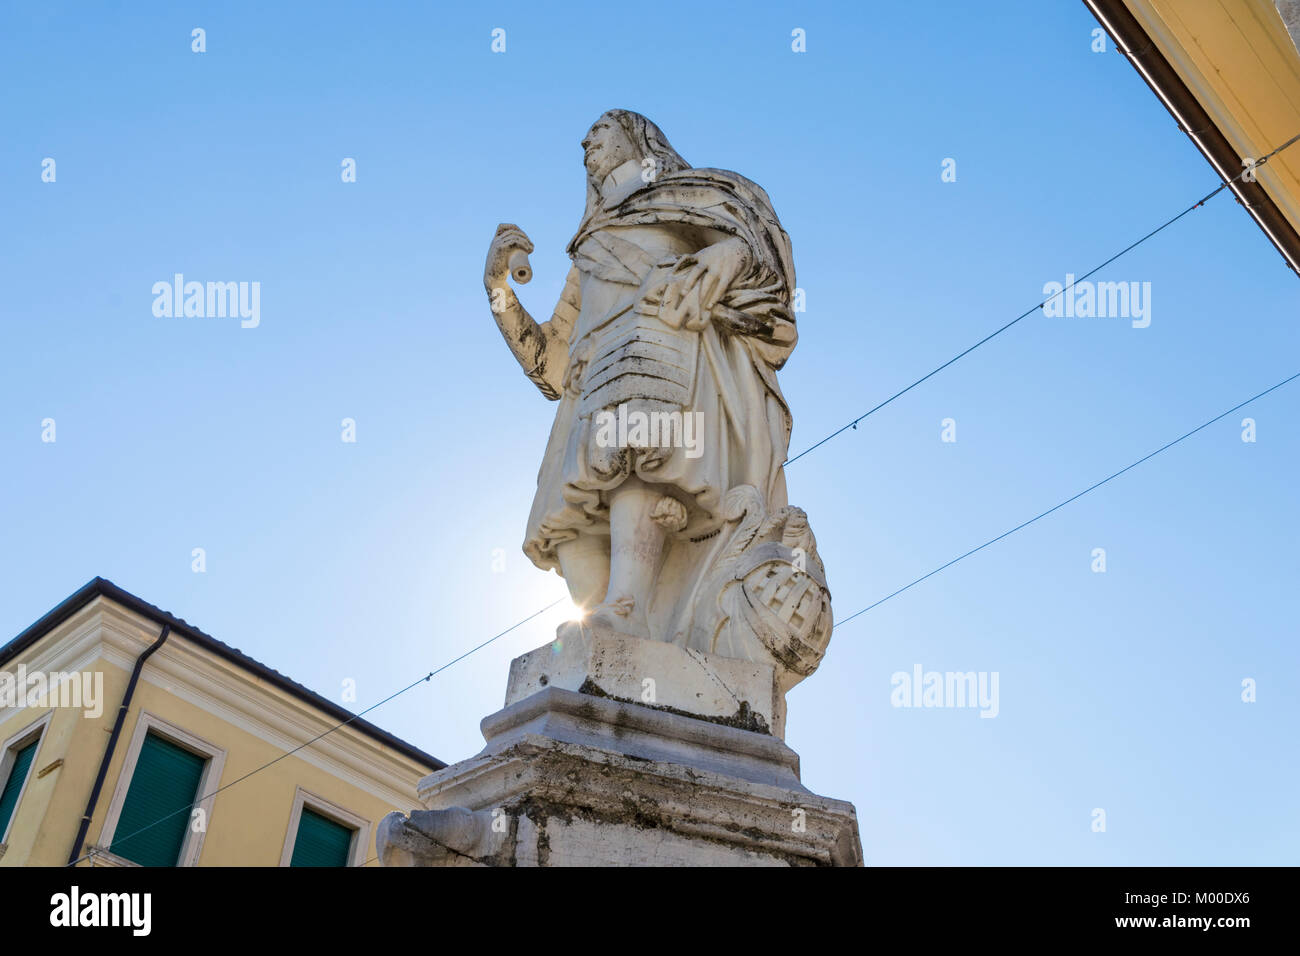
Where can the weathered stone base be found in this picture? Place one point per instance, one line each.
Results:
(598, 661)
(569, 779)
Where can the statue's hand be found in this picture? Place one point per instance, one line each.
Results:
(705, 278)
(508, 238)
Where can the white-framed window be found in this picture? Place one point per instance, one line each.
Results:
(321, 833)
(18, 764)
(165, 767)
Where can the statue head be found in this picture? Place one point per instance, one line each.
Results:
(621, 135)
(605, 148)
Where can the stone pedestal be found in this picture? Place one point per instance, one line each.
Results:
(578, 770)
(604, 663)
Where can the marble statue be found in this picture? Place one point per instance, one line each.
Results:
(661, 499)
(652, 730)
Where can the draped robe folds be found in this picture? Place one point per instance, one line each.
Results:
(623, 256)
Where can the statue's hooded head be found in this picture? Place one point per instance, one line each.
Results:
(618, 137)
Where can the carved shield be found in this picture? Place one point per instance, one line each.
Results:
(789, 609)
(791, 596)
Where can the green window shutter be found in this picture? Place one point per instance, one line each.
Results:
(166, 780)
(320, 841)
(14, 784)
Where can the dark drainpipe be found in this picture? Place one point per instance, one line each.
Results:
(112, 743)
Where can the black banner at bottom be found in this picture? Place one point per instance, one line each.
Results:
(1152, 905)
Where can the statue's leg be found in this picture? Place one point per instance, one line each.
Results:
(584, 565)
(636, 552)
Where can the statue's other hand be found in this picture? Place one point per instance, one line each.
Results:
(708, 274)
(508, 238)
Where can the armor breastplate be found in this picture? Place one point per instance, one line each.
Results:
(629, 356)
(635, 357)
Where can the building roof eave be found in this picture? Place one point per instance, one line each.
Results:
(102, 587)
(1133, 41)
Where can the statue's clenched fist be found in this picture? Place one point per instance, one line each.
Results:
(508, 239)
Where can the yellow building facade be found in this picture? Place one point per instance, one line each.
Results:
(185, 773)
(1228, 72)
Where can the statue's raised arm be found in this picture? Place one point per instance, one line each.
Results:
(542, 350)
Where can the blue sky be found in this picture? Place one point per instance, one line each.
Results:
(373, 561)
